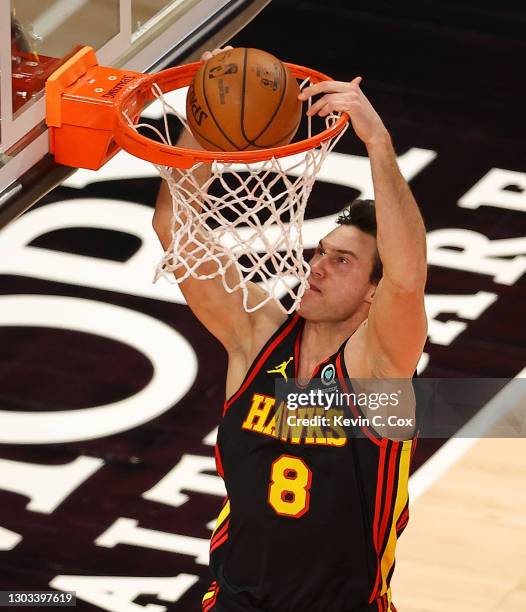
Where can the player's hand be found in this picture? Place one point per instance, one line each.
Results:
(210, 54)
(340, 96)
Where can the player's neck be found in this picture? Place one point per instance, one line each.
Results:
(320, 339)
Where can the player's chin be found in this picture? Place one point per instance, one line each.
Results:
(310, 305)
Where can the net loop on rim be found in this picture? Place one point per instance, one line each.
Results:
(239, 216)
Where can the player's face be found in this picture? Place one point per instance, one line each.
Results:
(340, 272)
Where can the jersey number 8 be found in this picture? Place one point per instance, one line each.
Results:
(289, 489)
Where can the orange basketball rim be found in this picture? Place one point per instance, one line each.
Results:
(91, 109)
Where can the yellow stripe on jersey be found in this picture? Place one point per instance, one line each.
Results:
(387, 560)
(225, 511)
(389, 600)
(208, 595)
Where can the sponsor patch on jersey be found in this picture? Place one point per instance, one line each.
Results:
(328, 374)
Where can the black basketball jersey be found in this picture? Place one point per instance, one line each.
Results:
(310, 521)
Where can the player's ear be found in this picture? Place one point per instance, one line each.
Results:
(370, 294)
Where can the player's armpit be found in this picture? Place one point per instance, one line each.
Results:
(396, 330)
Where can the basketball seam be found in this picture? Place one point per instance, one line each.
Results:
(266, 146)
(276, 142)
(273, 116)
(213, 116)
(271, 144)
(243, 93)
(194, 130)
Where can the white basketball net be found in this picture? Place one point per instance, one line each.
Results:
(250, 231)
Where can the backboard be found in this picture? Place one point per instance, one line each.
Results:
(37, 37)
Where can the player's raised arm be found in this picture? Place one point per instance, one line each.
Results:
(222, 313)
(396, 328)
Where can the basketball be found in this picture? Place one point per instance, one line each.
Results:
(243, 99)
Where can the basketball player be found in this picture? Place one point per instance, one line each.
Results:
(311, 521)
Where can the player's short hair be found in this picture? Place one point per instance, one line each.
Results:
(362, 214)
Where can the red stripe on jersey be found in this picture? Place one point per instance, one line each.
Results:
(377, 508)
(219, 463)
(389, 492)
(219, 542)
(400, 528)
(379, 489)
(211, 602)
(376, 583)
(297, 354)
(383, 603)
(403, 517)
(260, 362)
(220, 533)
(413, 447)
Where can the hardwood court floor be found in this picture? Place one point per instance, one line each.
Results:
(465, 546)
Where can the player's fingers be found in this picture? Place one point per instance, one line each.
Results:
(336, 103)
(331, 103)
(323, 87)
(210, 54)
(317, 106)
(356, 81)
(325, 110)
(221, 49)
(313, 90)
